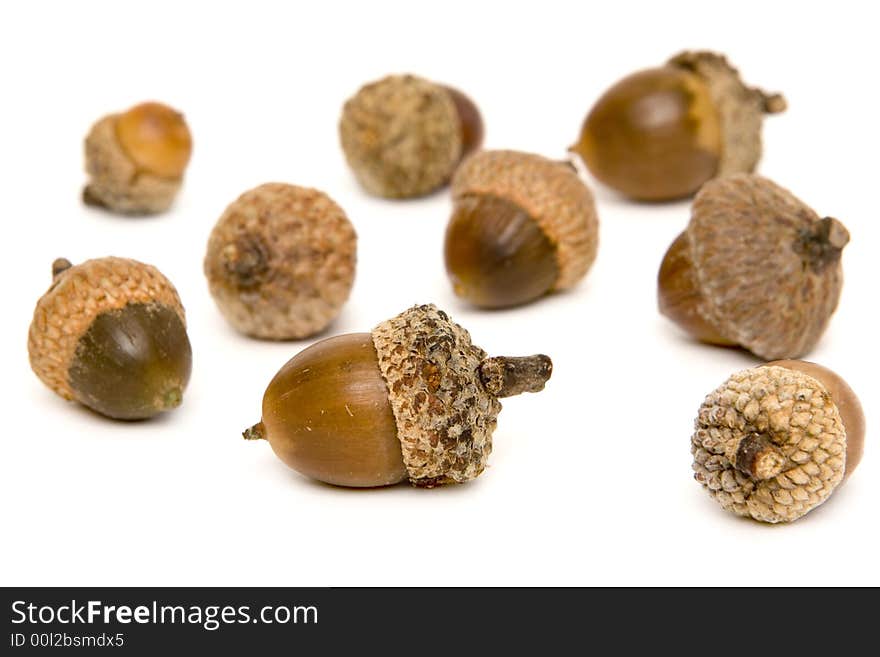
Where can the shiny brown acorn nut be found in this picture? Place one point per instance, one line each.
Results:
(522, 226)
(136, 160)
(413, 400)
(111, 334)
(280, 261)
(403, 136)
(773, 442)
(756, 267)
(661, 133)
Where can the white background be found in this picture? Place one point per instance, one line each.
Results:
(590, 481)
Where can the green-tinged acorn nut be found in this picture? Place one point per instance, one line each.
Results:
(111, 334)
(773, 442)
(136, 160)
(522, 226)
(412, 400)
(403, 136)
(661, 133)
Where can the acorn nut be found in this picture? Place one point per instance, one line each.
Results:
(111, 334)
(403, 136)
(136, 160)
(773, 442)
(756, 267)
(521, 227)
(280, 261)
(661, 133)
(414, 399)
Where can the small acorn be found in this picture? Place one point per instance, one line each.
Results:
(773, 442)
(756, 267)
(414, 399)
(136, 160)
(522, 226)
(111, 334)
(661, 133)
(281, 261)
(403, 136)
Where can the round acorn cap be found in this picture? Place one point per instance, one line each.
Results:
(401, 136)
(281, 261)
(444, 415)
(77, 296)
(116, 182)
(741, 109)
(796, 417)
(550, 192)
(768, 268)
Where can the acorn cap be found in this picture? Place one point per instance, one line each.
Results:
(281, 261)
(445, 416)
(116, 182)
(787, 419)
(741, 109)
(401, 135)
(550, 192)
(767, 267)
(79, 294)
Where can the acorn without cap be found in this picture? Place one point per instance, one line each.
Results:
(661, 133)
(521, 227)
(281, 261)
(756, 267)
(136, 159)
(414, 399)
(403, 136)
(111, 334)
(773, 442)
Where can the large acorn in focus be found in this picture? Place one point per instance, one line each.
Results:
(756, 268)
(522, 226)
(111, 334)
(661, 133)
(412, 400)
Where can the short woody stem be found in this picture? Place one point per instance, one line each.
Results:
(255, 432)
(757, 457)
(773, 103)
(503, 376)
(822, 243)
(60, 266)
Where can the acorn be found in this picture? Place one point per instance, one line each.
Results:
(413, 400)
(403, 136)
(774, 442)
(135, 160)
(756, 267)
(111, 334)
(522, 226)
(281, 261)
(661, 133)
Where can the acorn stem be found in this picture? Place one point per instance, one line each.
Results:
(59, 266)
(822, 243)
(255, 432)
(504, 376)
(773, 103)
(246, 260)
(757, 457)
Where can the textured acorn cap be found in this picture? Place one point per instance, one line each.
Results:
(797, 416)
(550, 192)
(77, 296)
(741, 109)
(401, 136)
(767, 267)
(115, 182)
(445, 417)
(281, 261)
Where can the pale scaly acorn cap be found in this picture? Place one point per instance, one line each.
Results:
(77, 296)
(116, 182)
(741, 108)
(281, 261)
(767, 267)
(782, 425)
(401, 136)
(550, 192)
